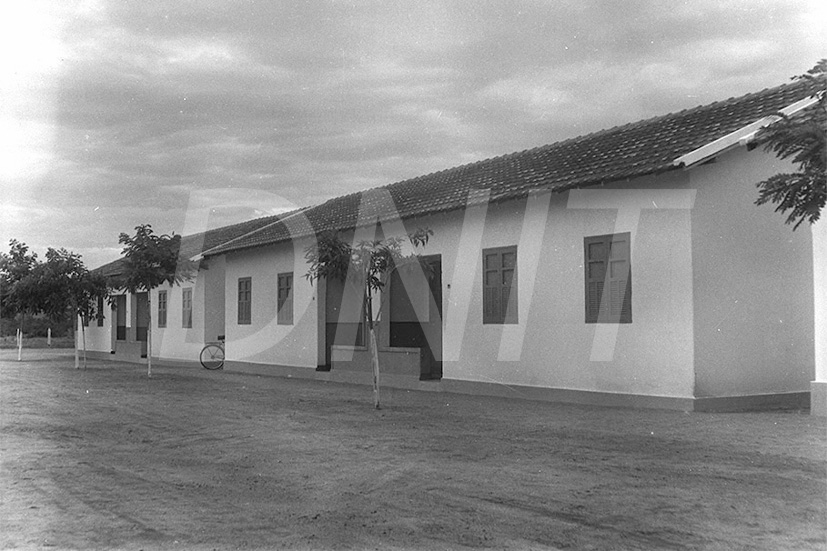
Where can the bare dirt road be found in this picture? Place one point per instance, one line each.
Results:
(108, 459)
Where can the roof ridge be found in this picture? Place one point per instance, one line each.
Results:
(671, 114)
(235, 224)
(583, 137)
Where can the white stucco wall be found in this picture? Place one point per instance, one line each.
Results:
(264, 341)
(722, 300)
(552, 346)
(753, 283)
(98, 339)
(175, 342)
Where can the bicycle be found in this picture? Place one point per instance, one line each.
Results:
(212, 355)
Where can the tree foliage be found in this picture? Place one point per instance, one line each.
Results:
(151, 260)
(67, 285)
(60, 288)
(801, 138)
(334, 258)
(17, 295)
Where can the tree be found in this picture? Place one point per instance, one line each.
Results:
(800, 137)
(370, 264)
(18, 296)
(66, 286)
(15, 267)
(150, 261)
(59, 287)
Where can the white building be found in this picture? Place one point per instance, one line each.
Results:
(626, 267)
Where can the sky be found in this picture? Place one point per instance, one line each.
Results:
(190, 114)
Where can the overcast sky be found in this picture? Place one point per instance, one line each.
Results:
(115, 113)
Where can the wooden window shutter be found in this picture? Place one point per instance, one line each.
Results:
(186, 308)
(608, 278)
(285, 299)
(491, 290)
(162, 308)
(499, 287)
(245, 292)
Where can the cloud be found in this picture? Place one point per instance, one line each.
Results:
(119, 113)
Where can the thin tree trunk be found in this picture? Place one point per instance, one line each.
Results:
(75, 341)
(20, 338)
(374, 360)
(148, 336)
(83, 333)
(374, 348)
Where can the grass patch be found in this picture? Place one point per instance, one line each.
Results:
(37, 342)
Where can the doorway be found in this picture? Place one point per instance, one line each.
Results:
(416, 314)
(141, 316)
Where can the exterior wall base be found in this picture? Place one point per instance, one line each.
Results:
(128, 351)
(393, 361)
(568, 396)
(287, 371)
(792, 400)
(98, 355)
(818, 398)
(342, 376)
(118, 356)
(169, 362)
(754, 402)
(131, 358)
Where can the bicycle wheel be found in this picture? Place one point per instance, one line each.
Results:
(212, 356)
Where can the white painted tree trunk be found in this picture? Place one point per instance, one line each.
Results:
(78, 319)
(374, 360)
(83, 335)
(374, 347)
(148, 336)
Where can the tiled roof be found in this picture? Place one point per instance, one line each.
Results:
(192, 245)
(647, 147)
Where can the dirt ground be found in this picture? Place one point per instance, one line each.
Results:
(190, 459)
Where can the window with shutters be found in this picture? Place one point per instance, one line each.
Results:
(499, 280)
(100, 312)
(608, 278)
(162, 308)
(245, 300)
(186, 308)
(285, 299)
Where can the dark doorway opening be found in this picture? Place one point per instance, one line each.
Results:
(416, 315)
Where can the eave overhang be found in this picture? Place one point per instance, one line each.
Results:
(740, 137)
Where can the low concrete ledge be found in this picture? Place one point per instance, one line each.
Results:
(567, 396)
(343, 376)
(753, 402)
(818, 398)
(791, 400)
(132, 358)
(97, 355)
(124, 354)
(173, 362)
(271, 370)
(130, 351)
(392, 361)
